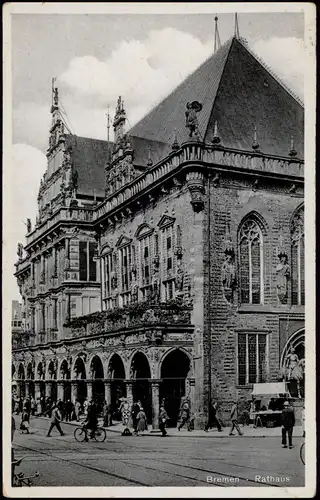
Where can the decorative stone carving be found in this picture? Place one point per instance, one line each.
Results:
(29, 226)
(228, 271)
(191, 118)
(195, 184)
(20, 250)
(179, 277)
(283, 275)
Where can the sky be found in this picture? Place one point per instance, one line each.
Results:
(96, 58)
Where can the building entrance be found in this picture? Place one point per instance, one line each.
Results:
(174, 371)
(141, 389)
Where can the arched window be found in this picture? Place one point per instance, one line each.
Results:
(251, 262)
(297, 258)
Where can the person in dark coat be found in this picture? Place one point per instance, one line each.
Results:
(213, 420)
(134, 415)
(55, 421)
(69, 410)
(288, 421)
(163, 418)
(234, 416)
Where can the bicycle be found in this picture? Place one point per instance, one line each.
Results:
(81, 434)
(302, 453)
(20, 479)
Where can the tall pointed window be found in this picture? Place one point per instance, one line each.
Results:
(251, 262)
(125, 266)
(297, 258)
(108, 267)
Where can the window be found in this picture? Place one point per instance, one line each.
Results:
(54, 313)
(108, 267)
(251, 263)
(251, 358)
(73, 307)
(297, 259)
(145, 257)
(88, 266)
(125, 272)
(168, 290)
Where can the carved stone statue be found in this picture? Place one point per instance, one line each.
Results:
(134, 292)
(29, 227)
(179, 278)
(283, 275)
(20, 250)
(294, 369)
(191, 117)
(228, 275)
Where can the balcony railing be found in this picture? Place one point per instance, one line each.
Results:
(198, 152)
(129, 317)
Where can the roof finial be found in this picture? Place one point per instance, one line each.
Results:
(292, 151)
(216, 139)
(175, 144)
(236, 26)
(149, 162)
(217, 42)
(255, 144)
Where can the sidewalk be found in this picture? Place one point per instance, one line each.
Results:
(248, 431)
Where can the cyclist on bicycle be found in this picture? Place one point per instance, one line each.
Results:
(92, 419)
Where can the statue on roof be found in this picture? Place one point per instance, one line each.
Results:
(29, 225)
(191, 117)
(20, 250)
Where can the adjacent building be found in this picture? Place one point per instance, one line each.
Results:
(170, 263)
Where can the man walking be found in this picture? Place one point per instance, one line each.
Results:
(134, 415)
(288, 422)
(234, 419)
(213, 420)
(55, 421)
(163, 417)
(184, 416)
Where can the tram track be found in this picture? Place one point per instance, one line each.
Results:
(88, 467)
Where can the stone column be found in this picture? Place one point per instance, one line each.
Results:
(60, 390)
(27, 388)
(67, 311)
(89, 390)
(18, 388)
(37, 390)
(74, 391)
(155, 385)
(129, 384)
(107, 391)
(191, 382)
(48, 389)
(67, 252)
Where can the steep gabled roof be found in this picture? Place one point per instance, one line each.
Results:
(239, 92)
(168, 116)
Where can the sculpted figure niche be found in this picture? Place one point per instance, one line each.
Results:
(283, 275)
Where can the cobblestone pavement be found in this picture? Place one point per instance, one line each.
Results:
(151, 460)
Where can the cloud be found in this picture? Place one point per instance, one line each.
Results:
(287, 58)
(141, 72)
(27, 167)
(31, 123)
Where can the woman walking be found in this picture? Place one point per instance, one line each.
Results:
(142, 422)
(163, 417)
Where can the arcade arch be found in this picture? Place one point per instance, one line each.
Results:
(116, 373)
(140, 373)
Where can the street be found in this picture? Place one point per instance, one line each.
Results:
(151, 460)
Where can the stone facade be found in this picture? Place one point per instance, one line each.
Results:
(185, 280)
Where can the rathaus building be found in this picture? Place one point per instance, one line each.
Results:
(170, 263)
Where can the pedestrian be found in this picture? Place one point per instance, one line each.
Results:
(213, 419)
(33, 406)
(134, 415)
(69, 410)
(55, 421)
(77, 409)
(142, 422)
(92, 419)
(25, 421)
(163, 418)
(184, 417)
(109, 415)
(234, 419)
(288, 422)
(39, 413)
(42, 405)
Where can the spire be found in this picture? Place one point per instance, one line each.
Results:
(255, 144)
(149, 162)
(108, 134)
(217, 42)
(216, 139)
(119, 120)
(236, 26)
(175, 144)
(292, 151)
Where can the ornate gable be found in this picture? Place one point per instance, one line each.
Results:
(143, 230)
(122, 241)
(166, 221)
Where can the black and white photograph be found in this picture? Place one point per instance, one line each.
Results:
(158, 304)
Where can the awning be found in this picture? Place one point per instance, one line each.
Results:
(269, 388)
